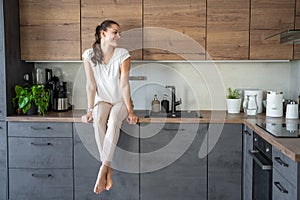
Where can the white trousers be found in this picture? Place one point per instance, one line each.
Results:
(107, 123)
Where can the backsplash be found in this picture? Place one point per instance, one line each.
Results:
(200, 85)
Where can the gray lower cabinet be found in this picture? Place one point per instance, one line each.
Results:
(125, 164)
(3, 162)
(286, 180)
(247, 163)
(225, 162)
(173, 161)
(40, 161)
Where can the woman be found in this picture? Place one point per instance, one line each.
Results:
(108, 95)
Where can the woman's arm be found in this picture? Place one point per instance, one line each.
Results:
(124, 81)
(90, 91)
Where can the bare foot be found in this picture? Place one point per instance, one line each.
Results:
(100, 185)
(109, 181)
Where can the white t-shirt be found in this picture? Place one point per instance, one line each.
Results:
(107, 76)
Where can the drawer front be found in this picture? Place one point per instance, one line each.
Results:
(285, 166)
(29, 184)
(40, 152)
(40, 129)
(282, 189)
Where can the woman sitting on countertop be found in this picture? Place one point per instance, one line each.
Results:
(108, 94)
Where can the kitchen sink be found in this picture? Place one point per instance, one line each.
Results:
(178, 114)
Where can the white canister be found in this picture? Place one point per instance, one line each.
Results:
(292, 111)
(274, 104)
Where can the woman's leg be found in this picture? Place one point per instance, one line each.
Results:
(100, 115)
(117, 114)
(108, 141)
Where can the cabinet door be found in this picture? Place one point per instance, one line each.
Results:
(228, 29)
(2, 66)
(297, 26)
(247, 163)
(3, 162)
(36, 184)
(225, 162)
(172, 164)
(174, 29)
(127, 13)
(50, 30)
(282, 189)
(270, 17)
(86, 164)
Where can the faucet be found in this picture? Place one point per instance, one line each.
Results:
(174, 103)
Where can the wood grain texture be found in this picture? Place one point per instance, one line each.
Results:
(174, 29)
(270, 17)
(50, 30)
(297, 26)
(127, 13)
(228, 29)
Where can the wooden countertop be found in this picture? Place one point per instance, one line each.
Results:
(289, 146)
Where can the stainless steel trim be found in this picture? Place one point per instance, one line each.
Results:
(253, 154)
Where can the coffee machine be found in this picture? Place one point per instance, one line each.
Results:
(60, 100)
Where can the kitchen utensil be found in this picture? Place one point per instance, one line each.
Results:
(40, 77)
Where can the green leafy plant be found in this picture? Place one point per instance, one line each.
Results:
(28, 95)
(233, 94)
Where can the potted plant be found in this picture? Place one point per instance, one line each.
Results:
(28, 97)
(233, 101)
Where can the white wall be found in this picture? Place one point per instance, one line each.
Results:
(200, 85)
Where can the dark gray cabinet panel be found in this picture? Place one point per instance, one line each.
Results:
(247, 163)
(282, 189)
(40, 129)
(86, 164)
(225, 163)
(3, 161)
(40, 152)
(2, 65)
(38, 184)
(170, 164)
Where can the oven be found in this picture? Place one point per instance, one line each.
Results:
(262, 169)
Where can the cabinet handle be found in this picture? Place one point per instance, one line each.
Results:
(247, 132)
(174, 129)
(41, 144)
(280, 187)
(281, 162)
(41, 175)
(40, 128)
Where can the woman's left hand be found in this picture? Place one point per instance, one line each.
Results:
(132, 118)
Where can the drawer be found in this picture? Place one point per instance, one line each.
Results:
(285, 166)
(40, 152)
(30, 184)
(282, 189)
(40, 129)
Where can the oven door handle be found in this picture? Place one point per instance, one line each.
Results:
(253, 154)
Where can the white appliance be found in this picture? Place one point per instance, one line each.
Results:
(274, 104)
(259, 98)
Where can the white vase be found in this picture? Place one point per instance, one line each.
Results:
(233, 105)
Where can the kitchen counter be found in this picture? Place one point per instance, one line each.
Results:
(289, 146)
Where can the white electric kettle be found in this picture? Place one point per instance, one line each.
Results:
(274, 104)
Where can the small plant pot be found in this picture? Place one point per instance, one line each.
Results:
(32, 110)
(233, 105)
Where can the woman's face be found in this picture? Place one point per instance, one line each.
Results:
(112, 35)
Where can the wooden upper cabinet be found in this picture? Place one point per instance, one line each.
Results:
(50, 30)
(127, 13)
(228, 29)
(174, 29)
(270, 17)
(297, 26)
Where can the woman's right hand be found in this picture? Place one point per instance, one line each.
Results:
(87, 118)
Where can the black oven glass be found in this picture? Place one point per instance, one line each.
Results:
(262, 169)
